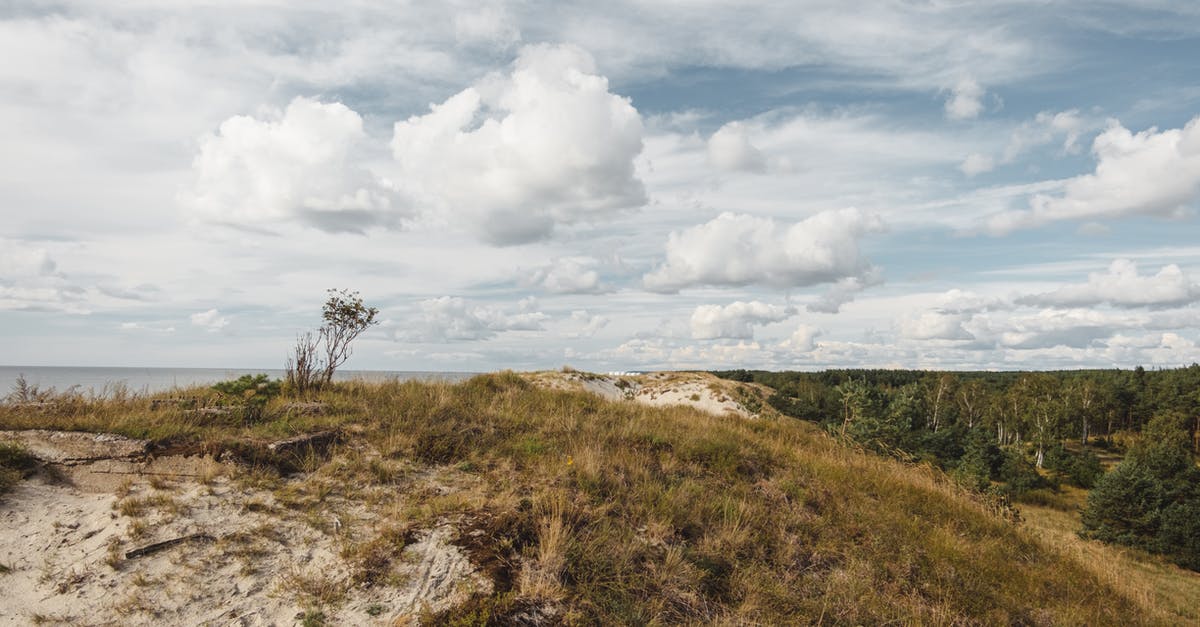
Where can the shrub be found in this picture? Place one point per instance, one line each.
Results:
(982, 454)
(1019, 474)
(1179, 532)
(253, 391)
(302, 365)
(945, 444)
(1124, 506)
(795, 407)
(1151, 500)
(1082, 469)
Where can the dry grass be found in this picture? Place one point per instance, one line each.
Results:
(618, 513)
(541, 573)
(1166, 592)
(372, 562)
(317, 588)
(134, 415)
(138, 506)
(14, 463)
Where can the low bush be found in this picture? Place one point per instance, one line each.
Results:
(252, 392)
(14, 463)
(1020, 475)
(1081, 469)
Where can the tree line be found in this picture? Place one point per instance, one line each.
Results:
(1013, 434)
(905, 409)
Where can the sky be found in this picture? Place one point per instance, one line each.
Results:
(616, 186)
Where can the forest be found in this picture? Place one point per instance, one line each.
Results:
(1015, 436)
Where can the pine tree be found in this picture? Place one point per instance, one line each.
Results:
(1152, 499)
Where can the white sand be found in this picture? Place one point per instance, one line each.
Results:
(65, 547)
(700, 390)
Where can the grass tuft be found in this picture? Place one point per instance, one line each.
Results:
(15, 461)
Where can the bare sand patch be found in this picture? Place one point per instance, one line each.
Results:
(72, 553)
(700, 390)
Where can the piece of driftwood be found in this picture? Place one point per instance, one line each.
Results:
(166, 544)
(317, 441)
(306, 409)
(212, 412)
(181, 403)
(36, 405)
(76, 447)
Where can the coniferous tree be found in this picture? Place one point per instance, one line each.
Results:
(1152, 499)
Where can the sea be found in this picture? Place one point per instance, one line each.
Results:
(103, 381)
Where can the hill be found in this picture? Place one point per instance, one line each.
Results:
(501, 500)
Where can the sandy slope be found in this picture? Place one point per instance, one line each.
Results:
(259, 564)
(257, 555)
(701, 390)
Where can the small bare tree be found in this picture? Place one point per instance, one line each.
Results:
(301, 366)
(346, 317)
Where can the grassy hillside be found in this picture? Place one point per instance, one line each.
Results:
(1167, 591)
(586, 511)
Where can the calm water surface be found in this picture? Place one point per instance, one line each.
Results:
(99, 381)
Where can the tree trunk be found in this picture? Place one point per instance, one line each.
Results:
(845, 414)
(937, 402)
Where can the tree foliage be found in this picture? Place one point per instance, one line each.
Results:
(1151, 500)
(1079, 468)
(1004, 432)
(315, 358)
(346, 317)
(1040, 408)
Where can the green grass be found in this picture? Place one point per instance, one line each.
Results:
(619, 513)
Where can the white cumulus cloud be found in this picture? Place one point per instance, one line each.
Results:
(451, 318)
(302, 164)
(844, 291)
(1122, 286)
(1148, 173)
(587, 324)
(802, 340)
(965, 101)
(1073, 328)
(735, 320)
(518, 153)
(730, 149)
(739, 250)
(210, 320)
(568, 275)
(932, 325)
